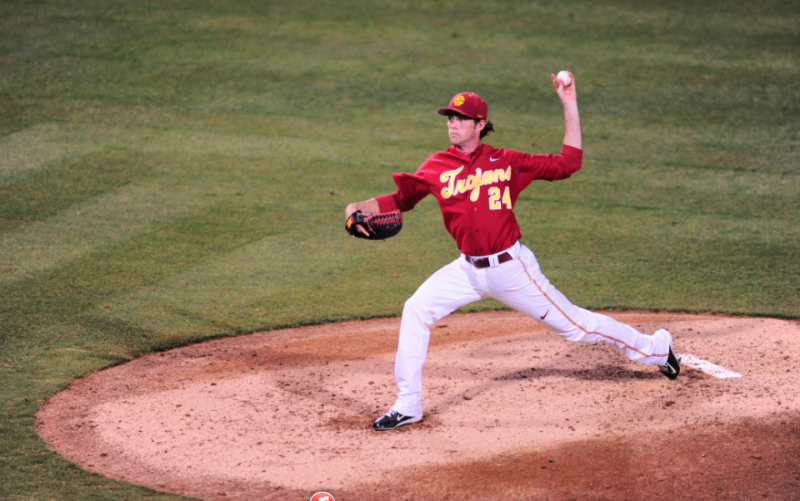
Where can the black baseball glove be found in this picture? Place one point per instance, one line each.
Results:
(378, 226)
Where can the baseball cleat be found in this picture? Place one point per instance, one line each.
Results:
(392, 420)
(672, 368)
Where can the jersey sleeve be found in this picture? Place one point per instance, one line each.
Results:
(411, 189)
(550, 167)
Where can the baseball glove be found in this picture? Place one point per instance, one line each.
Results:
(378, 226)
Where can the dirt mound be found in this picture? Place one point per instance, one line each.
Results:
(512, 412)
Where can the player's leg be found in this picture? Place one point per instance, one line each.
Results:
(521, 285)
(445, 291)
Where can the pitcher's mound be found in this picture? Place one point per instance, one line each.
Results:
(511, 412)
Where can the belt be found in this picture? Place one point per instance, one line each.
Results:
(483, 262)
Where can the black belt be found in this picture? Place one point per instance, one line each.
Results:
(483, 262)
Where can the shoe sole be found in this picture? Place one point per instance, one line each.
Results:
(407, 421)
(670, 375)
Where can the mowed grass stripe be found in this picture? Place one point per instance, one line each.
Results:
(44, 145)
(99, 277)
(179, 172)
(171, 187)
(46, 193)
(101, 221)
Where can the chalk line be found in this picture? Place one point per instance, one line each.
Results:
(707, 367)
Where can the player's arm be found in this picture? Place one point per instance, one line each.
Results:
(411, 188)
(569, 98)
(367, 207)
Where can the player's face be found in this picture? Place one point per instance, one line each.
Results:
(463, 130)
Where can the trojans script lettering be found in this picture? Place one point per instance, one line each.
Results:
(472, 182)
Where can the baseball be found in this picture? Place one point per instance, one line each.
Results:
(566, 80)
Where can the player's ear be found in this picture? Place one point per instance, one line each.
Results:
(480, 125)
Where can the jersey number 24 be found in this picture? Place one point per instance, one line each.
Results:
(495, 202)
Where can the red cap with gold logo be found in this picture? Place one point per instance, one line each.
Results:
(468, 104)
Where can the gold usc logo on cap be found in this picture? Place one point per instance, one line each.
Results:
(467, 104)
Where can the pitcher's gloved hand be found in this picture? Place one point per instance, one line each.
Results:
(376, 226)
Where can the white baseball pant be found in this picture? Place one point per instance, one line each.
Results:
(520, 284)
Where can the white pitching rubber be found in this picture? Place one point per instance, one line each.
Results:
(707, 367)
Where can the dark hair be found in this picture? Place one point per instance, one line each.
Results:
(486, 130)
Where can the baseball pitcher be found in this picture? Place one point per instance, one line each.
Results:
(477, 187)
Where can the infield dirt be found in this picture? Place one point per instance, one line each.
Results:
(512, 412)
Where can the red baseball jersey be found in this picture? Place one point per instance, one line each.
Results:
(477, 192)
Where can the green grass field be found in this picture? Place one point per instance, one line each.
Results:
(173, 171)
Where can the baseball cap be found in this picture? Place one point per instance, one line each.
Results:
(468, 104)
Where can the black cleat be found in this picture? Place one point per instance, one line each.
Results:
(392, 420)
(672, 368)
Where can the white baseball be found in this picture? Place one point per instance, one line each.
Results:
(566, 80)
